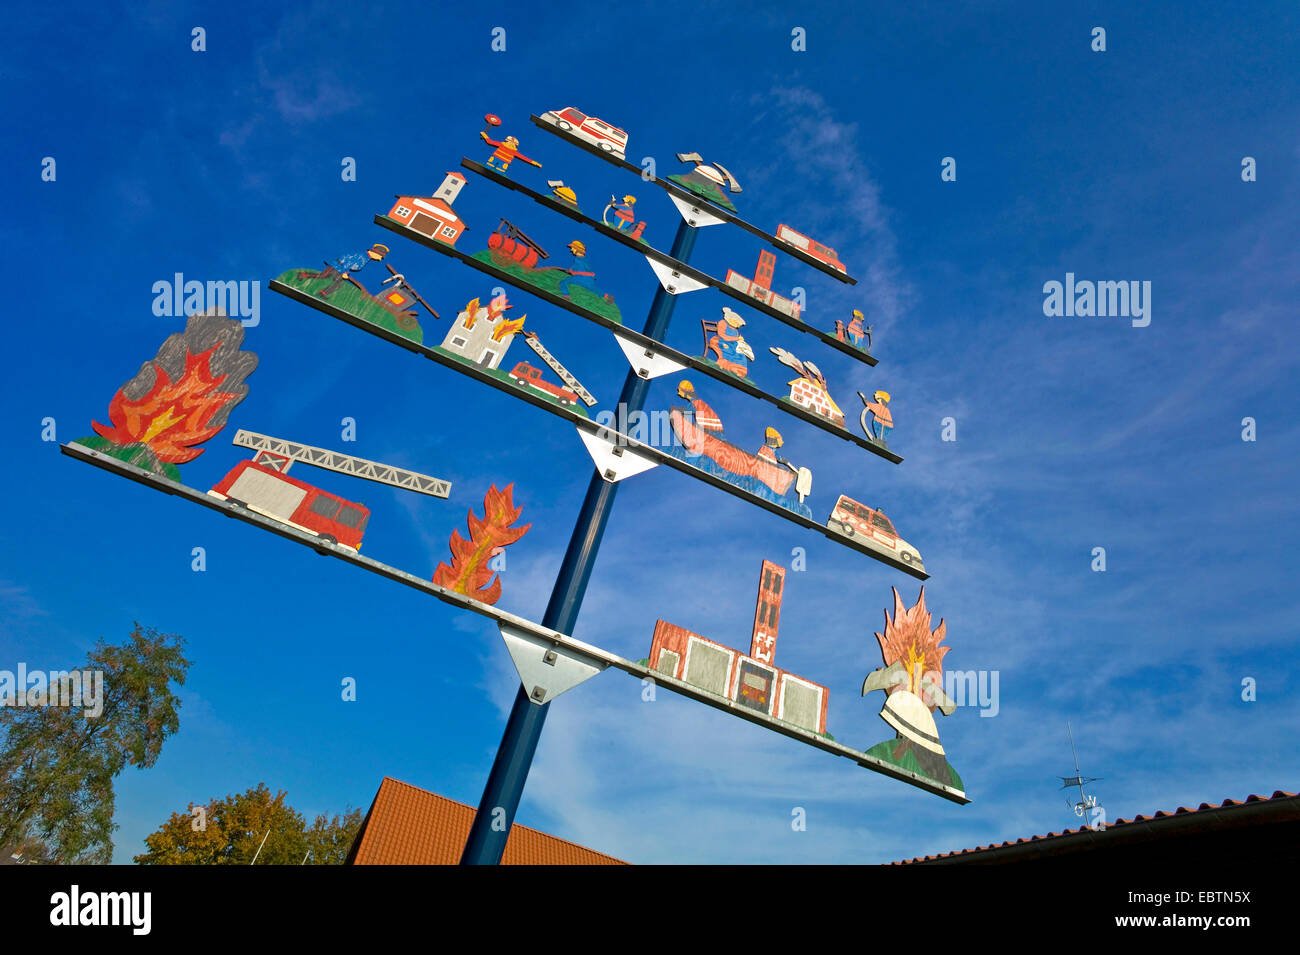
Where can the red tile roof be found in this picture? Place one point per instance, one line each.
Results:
(408, 825)
(1226, 806)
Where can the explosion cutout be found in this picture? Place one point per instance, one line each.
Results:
(471, 567)
(912, 679)
(179, 399)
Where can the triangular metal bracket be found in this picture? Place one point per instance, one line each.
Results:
(674, 282)
(646, 362)
(545, 668)
(693, 214)
(613, 461)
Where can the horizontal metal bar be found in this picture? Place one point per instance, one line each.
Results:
(798, 324)
(587, 424)
(712, 208)
(346, 554)
(659, 348)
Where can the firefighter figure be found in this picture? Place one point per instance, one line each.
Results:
(881, 418)
(578, 274)
(506, 151)
(624, 215)
(857, 331)
(343, 268)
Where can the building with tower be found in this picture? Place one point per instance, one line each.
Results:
(752, 680)
(432, 216)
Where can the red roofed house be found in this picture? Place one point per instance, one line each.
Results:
(432, 217)
(1261, 829)
(407, 825)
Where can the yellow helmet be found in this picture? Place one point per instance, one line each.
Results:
(577, 248)
(773, 437)
(883, 396)
(858, 314)
(685, 389)
(630, 200)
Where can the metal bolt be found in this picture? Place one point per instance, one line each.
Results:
(539, 693)
(550, 657)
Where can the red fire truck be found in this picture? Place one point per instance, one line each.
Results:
(293, 502)
(823, 253)
(525, 374)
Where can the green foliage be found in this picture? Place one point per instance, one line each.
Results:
(230, 831)
(57, 764)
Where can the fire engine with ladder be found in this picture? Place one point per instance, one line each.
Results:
(566, 376)
(262, 485)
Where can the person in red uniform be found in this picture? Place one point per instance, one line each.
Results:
(506, 151)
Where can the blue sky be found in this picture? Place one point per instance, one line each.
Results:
(1072, 433)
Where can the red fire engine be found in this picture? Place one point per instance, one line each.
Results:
(525, 374)
(823, 253)
(293, 502)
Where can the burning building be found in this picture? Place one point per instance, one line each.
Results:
(482, 335)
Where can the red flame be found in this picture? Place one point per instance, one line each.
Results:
(469, 571)
(171, 417)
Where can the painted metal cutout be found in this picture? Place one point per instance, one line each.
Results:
(912, 679)
(562, 192)
(393, 308)
(751, 680)
(725, 346)
(506, 150)
(432, 216)
(471, 564)
(809, 390)
(262, 485)
(855, 332)
(760, 286)
(534, 342)
(765, 473)
(589, 129)
(870, 527)
(623, 217)
(481, 335)
(882, 419)
(811, 247)
(179, 399)
(707, 180)
(514, 252)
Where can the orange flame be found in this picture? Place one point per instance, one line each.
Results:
(908, 638)
(469, 571)
(471, 313)
(171, 417)
(506, 329)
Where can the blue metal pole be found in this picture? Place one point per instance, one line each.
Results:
(505, 785)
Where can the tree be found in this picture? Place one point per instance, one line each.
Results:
(230, 831)
(57, 764)
(329, 840)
